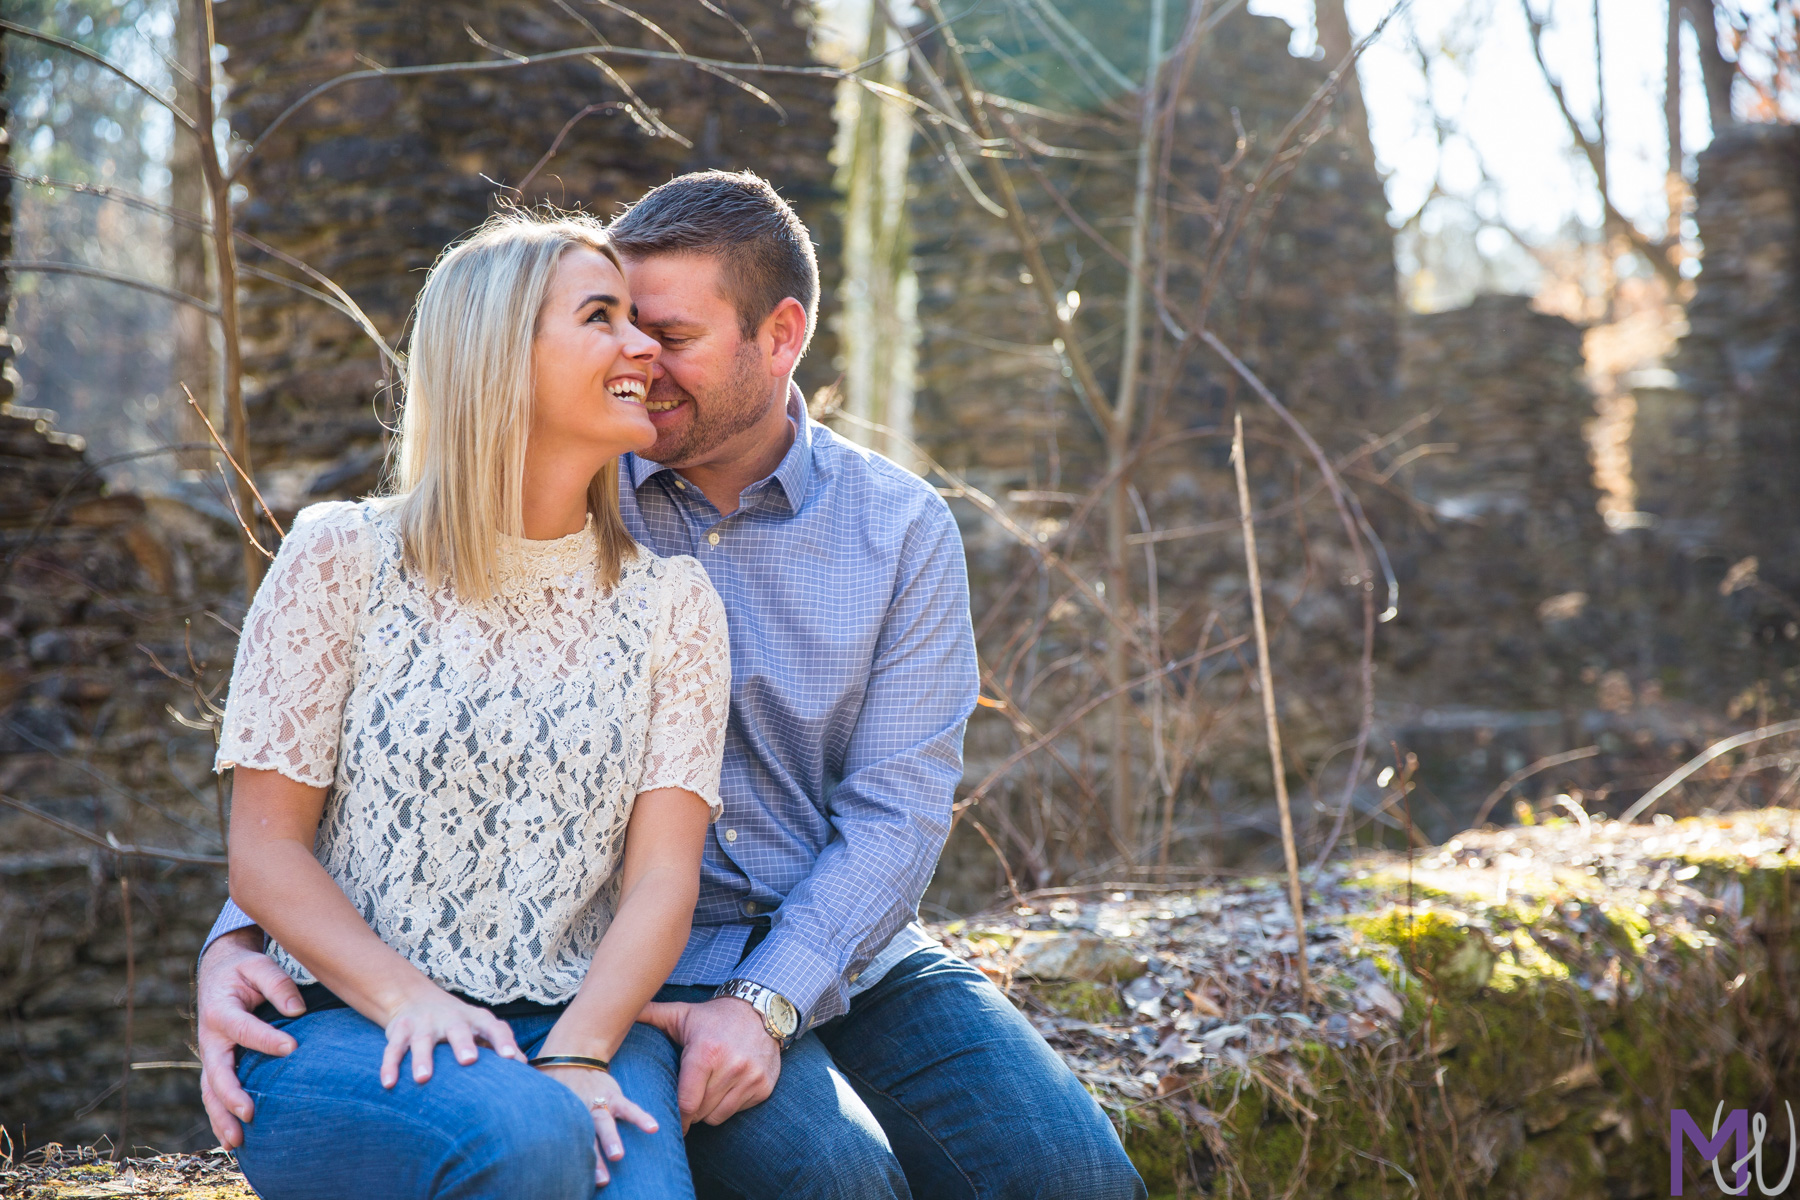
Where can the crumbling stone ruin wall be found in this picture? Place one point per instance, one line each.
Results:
(1308, 301)
(1715, 455)
(97, 590)
(1501, 546)
(371, 181)
(1717, 464)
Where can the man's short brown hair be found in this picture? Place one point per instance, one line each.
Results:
(765, 252)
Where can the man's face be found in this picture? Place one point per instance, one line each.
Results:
(710, 383)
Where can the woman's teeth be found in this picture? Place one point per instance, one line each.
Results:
(629, 390)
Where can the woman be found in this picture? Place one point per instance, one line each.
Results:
(477, 734)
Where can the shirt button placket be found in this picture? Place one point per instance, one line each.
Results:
(712, 539)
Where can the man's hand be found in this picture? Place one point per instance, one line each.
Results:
(728, 1060)
(236, 976)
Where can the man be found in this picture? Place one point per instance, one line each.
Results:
(830, 1048)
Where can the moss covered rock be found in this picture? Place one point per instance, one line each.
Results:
(1511, 1015)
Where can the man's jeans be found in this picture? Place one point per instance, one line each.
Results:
(326, 1128)
(931, 1086)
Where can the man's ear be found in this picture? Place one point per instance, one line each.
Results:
(784, 333)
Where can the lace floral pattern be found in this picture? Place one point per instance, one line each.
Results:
(482, 759)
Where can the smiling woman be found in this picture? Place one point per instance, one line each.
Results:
(476, 734)
(525, 350)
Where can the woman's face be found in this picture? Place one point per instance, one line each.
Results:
(592, 363)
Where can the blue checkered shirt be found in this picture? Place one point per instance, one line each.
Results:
(852, 675)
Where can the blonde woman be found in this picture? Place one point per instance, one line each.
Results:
(477, 733)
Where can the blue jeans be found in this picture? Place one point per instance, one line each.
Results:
(931, 1086)
(326, 1128)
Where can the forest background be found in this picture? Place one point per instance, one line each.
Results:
(1502, 291)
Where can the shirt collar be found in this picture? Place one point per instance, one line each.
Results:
(793, 473)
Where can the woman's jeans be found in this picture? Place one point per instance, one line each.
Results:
(326, 1128)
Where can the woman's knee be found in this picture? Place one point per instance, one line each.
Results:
(535, 1141)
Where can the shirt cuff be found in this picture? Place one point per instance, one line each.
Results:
(811, 982)
(231, 919)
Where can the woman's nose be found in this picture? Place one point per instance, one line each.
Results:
(642, 346)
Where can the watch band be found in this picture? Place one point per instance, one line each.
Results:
(781, 1020)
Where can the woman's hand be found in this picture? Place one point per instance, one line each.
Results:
(608, 1106)
(431, 1016)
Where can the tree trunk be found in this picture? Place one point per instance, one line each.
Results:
(188, 252)
(1714, 69)
(1676, 184)
(1335, 39)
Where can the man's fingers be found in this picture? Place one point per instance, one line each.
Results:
(695, 1079)
(224, 1123)
(730, 1104)
(275, 985)
(725, 1081)
(665, 1016)
(218, 1078)
(252, 1034)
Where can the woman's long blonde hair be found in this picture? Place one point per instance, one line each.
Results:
(458, 477)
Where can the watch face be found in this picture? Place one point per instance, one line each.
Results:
(783, 1016)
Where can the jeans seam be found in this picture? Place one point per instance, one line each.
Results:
(897, 1103)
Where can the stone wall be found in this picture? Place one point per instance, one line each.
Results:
(1714, 449)
(1718, 453)
(1308, 299)
(371, 181)
(99, 594)
(1496, 556)
(96, 590)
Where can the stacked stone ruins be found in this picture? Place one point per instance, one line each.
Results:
(369, 182)
(1525, 626)
(1721, 447)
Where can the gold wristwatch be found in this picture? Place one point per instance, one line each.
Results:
(779, 1017)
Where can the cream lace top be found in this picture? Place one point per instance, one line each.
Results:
(482, 758)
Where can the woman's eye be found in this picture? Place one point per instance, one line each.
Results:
(600, 314)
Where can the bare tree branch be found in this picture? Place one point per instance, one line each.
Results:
(1594, 150)
(37, 267)
(101, 60)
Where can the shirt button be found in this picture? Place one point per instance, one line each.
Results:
(731, 835)
(680, 484)
(712, 539)
(750, 907)
(855, 975)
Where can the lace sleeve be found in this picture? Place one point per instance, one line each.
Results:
(293, 673)
(691, 690)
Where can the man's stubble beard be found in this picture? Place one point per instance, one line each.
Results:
(737, 405)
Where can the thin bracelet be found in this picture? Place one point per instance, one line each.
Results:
(569, 1060)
